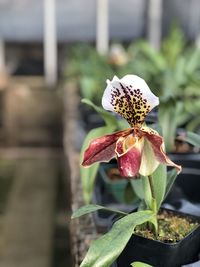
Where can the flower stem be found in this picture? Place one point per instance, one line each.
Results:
(153, 205)
(151, 186)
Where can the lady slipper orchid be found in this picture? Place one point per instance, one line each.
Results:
(139, 149)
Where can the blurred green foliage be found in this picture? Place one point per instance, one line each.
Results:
(173, 74)
(90, 69)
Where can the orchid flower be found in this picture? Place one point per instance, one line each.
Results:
(139, 149)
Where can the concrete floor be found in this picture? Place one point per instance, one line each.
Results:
(34, 228)
(35, 210)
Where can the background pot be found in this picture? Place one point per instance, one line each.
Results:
(89, 117)
(106, 194)
(189, 179)
(120, 189)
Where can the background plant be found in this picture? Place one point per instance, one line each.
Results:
(173, 74)
(89, 68)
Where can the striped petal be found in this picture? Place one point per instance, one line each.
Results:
(129, 151)
(130, 97)
(102, 149)
(155, 152)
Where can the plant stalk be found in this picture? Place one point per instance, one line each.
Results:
(153, 205)
(150, 178)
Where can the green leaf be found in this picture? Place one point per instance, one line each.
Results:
(184, 117)
(192, 138)
(168, 120)
(179, 72)
(154, 220)
(147, 191)
(129, 193)
(137, 185)
(193, 62)
(160, 182)
(153, 56)
(192, 106)
(88, 87)
(142, 205)
(171, 177)
(122, 124)
(149, 200)
(108, 117)
(88, 174)
(104, 251)
(193, 124)
(91, 208)
(140, 264)
(173, 44)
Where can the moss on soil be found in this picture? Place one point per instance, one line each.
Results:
(171, 228)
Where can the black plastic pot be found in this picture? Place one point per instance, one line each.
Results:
(116, 188)
(189, 179)
(89, 117)
(187, 160)
(159, 254)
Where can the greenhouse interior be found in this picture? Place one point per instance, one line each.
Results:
(100, 133)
